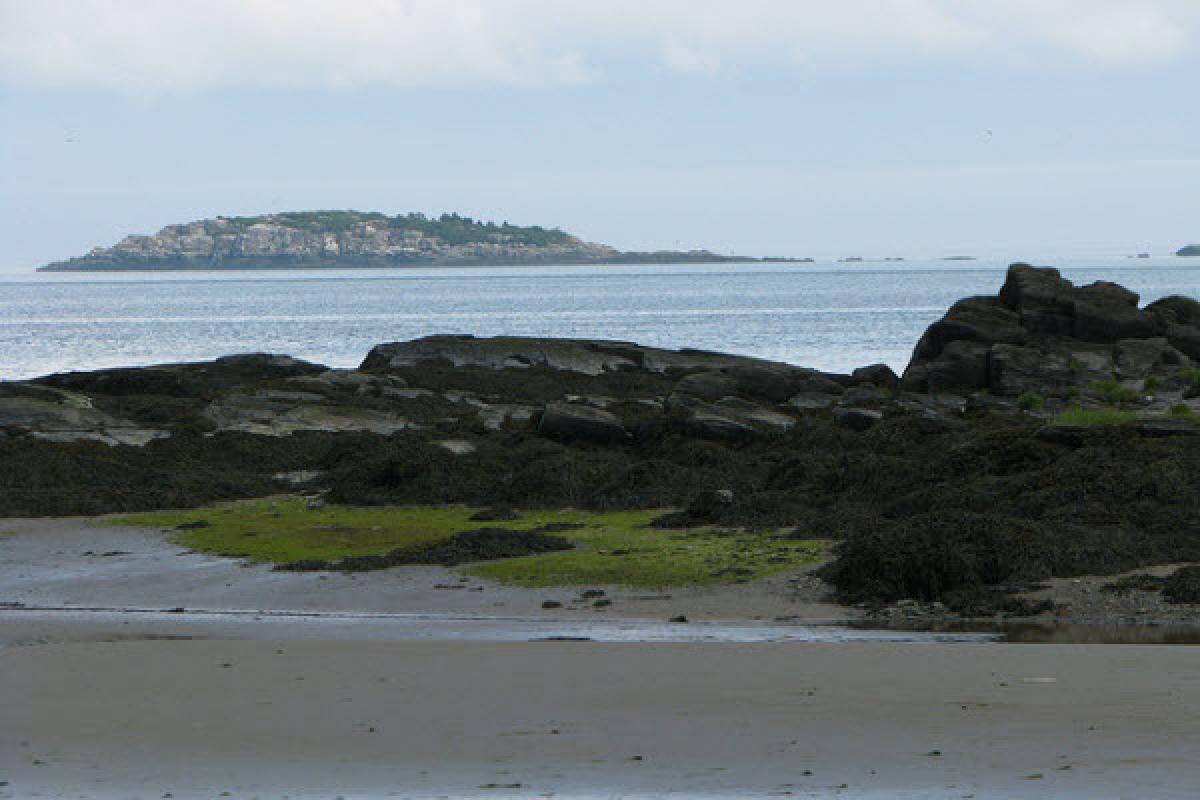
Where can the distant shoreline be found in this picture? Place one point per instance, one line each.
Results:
(332, 239)
(709, 259)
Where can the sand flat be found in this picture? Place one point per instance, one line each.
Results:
(567, 719)
(84, 562)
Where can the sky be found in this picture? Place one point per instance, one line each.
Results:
(917, 128)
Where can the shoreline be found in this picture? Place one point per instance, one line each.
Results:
(83, 562)
(312, 702)
(437, 265)
(84, 565)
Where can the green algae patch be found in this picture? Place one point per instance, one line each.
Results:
(610, 547)
(621, 548)
(280, 531)
(1094, 417)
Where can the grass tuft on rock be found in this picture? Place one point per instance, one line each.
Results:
(1182, 411)
(610, 547)
(1093, 417)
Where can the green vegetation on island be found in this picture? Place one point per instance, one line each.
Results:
(452, 229)
(333, 239)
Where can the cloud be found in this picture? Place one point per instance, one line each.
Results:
(138, 45)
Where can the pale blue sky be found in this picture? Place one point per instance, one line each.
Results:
(755, 127)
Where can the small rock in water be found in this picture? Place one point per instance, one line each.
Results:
(551, 604)
(678, 618)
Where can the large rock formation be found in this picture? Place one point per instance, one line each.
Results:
(309, 239)
(1043, 334)
(1189, 250)
(933, 488)
(717, 395)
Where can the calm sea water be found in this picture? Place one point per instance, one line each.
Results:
(826, 315)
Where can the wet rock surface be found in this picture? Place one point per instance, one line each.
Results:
(1043, 334)
(953, 485)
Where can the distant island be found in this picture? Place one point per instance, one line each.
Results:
(331, 239)
(1190, 250)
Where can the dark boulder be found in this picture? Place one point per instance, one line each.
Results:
(816, 383)
(1185, 339)
(1029, 288)
(719, 427)
(880, 375)
(1016, 370)
(763, 420)
(568, 422)
(866, 396)
(730, 419)
(856, 419)
(1044, 335)
(960, 366)
(974, 319)
(1106, 312)
(809, 401)
(765, 383)
(1136, 358)
(1177, 310)
(1183, 586)
(707, 385)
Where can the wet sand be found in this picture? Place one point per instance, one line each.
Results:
(80, 562)
(149, 704)
(569, 719)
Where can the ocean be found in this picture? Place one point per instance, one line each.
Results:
(832, 316)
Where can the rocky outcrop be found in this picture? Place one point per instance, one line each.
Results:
(1044, 335)
(353, 239)
(57, 416)
(933, 488)
(729, 419)
(578, 423)
(280, 413)
(1189, 250)
(192, 380)
(588, 357)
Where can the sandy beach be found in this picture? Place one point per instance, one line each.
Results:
(567, 719)
(381, 685)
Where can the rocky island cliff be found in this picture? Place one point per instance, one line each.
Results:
(1189, 250)
(331, 239)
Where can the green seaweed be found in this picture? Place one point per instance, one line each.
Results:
(611, 547)
(1092, 417)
